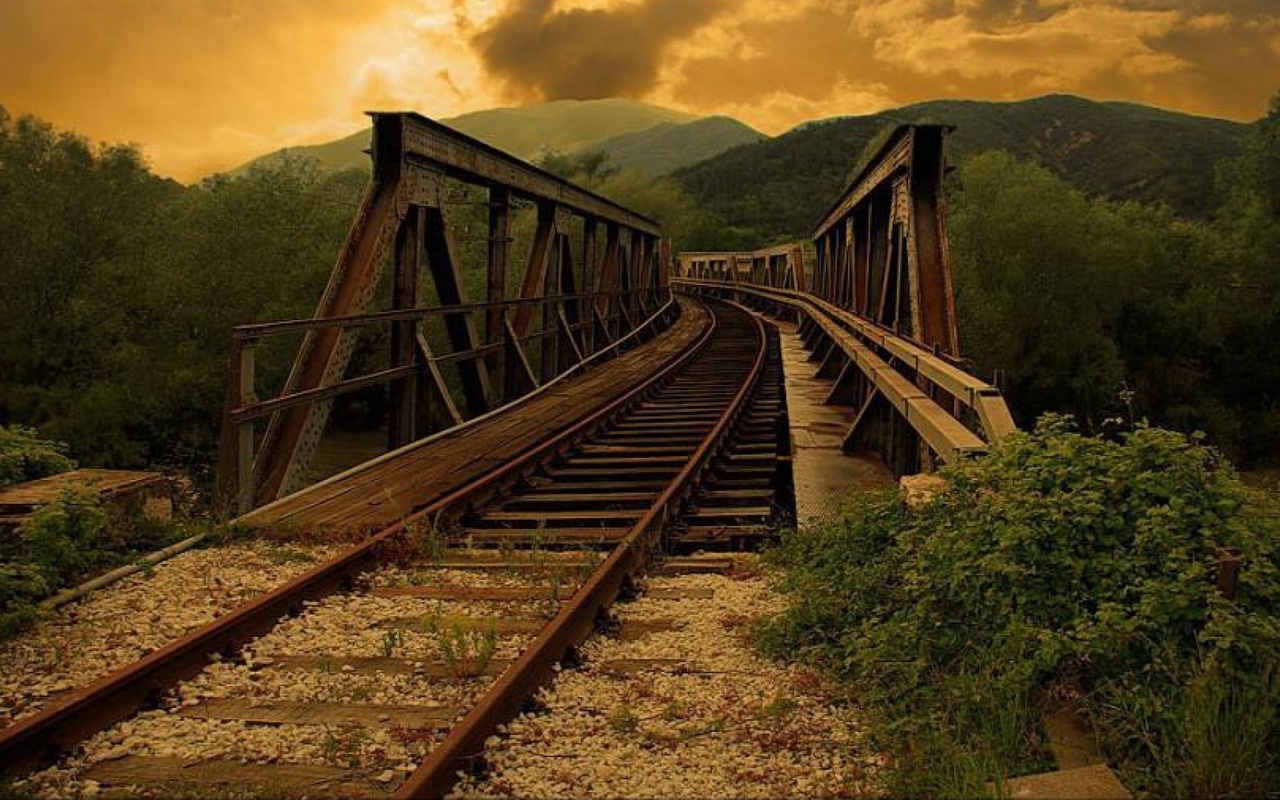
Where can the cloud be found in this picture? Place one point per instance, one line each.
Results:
(543, 52)
(208, 84)
(860, 56)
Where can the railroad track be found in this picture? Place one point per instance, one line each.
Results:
(392, 664)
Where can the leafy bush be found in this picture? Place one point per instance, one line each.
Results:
(24, 456)
(1057, 564)
(66, 541)
(67, 537)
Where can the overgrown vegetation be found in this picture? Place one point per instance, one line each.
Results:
(67, 541)
(24, 456)
(1059, 568)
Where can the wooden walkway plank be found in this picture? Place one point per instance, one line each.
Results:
(296, 713)
(290, 780)
(384, 491)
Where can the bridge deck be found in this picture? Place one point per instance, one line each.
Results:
(824, 473)
(385, 490)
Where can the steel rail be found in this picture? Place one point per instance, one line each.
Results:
(41, 737)
(575, 621)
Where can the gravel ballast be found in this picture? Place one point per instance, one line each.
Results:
(712, 720)
(114, 626)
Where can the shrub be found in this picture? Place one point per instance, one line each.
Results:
(1058, 563)
(24, 456)
(67, 537)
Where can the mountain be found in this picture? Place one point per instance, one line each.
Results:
(670, 146)
(562, 125)
(1124, 151)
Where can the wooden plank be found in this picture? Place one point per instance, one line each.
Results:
(106, 483)
(502, 626)
(696, 566)
(293, 713)
(632, 629)
(373, 665)
(551, 517)
(626, 667)
(494, 594)
(680, 594)
(387, 489)
(171, 773)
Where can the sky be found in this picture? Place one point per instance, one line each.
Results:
(203, 85)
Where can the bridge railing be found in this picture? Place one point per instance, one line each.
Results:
(879, 314)
(594, 272)
(781, 267)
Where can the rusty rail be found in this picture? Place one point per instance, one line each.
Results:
(38, 738)
(503, 701)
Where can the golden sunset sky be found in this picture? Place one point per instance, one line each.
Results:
(203, 85)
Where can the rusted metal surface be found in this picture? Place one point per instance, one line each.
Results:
(535, 666)
(879, 312)
(882, 374)
(404, 218)
(782, 267)
(882, 248)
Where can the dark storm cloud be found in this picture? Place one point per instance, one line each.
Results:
(543, 53)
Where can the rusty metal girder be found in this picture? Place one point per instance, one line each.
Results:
(413, 156)
(882, 246)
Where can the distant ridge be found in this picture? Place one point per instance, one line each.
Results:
(1122, 151)
(564, 126)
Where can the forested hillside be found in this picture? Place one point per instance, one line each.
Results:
(118, 290)
(670, 146)
(1122, 151)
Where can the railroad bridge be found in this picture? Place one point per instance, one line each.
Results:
(556, 376)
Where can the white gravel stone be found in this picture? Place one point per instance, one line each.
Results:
(119, 624)
(337, 626)
(737, 726)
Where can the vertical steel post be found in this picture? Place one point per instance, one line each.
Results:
(402, 405)
(499, 249)
(244, 369)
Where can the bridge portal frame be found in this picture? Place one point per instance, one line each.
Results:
(573, 301)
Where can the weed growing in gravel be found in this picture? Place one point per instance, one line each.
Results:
(391, 641)
(428, 541)
(623, 720)
(467, 653)
(779, 706)
(341, 745)
(556, 583)
(289, 555)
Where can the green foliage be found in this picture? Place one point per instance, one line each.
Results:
(1058, 560)
(24, 456)
(1121, 151)
(1079, 301)
(67, 537)
(65, 542)
(689, 226)
(120, 289)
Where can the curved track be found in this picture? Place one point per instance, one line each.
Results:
(689, 446)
